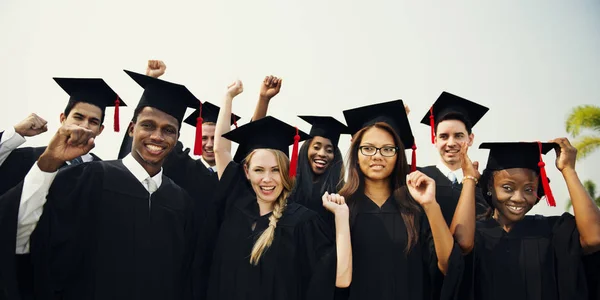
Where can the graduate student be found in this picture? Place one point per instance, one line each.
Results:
(400, 242)
(116, 229)
(320, 165)
(269, 248)
(86, 107)
(452, 119)
(530, 257)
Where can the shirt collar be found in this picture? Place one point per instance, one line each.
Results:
(139, 172)
(445, 170)
(214, 168)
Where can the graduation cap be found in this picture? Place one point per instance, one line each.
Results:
(93, 91)
(327, 127)
(448, 103)
(207, 112)
(168, 97)
(392, 113)
(267, 133)
(521, 155)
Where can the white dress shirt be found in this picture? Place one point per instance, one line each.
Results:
(446, 171)
(213, 168)
(35, 190)
(10, 141)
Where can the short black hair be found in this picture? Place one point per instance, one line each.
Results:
(455, 116)
(72, 104)
(139, 109)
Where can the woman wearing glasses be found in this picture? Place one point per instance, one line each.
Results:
(401, 244)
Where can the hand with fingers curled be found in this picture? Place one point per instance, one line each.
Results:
(270, 87)
(421, 188)
(335, 203)
(31, 126)
(566, 154)
(69, 142)
(235, 88)
(470, 169)
(156, 68)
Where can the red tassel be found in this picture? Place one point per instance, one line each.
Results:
(545, 183)
(432, 125)
(294, 160)
(198, 138)
(413, 163)
(234, 122)
(116, 120)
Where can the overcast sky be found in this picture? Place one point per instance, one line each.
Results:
(530, 62)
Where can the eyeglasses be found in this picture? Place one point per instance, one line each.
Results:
(384, 151)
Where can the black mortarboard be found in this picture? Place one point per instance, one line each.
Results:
(93, 91)
(269, 133)
(210, 113)
(327, 127)
(393, 113)
(448, 103)
(508, 155)
(171, 98)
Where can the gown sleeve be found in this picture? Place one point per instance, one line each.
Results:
(9, 209)
(56, 242)
(318, 258)
(442, 287)
(231, 186)
(568, 256)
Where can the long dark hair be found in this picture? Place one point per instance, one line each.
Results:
(408, 207)
(330, 181)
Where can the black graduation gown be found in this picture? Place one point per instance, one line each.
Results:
(102, 236)
(315, 203)
(200, 183)
(9, 208)
(18, 164)
(299, 264)
(592, 271)
(540, 258)
(12, 173)
(382, 270)
(190, 174)
(448, 194)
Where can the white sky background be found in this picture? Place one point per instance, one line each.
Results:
(529, 61)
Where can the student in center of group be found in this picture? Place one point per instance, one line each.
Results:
(401, 244)
(269, 248)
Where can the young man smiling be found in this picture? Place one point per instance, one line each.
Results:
(117, 229)
(451, 119)
(88, 100)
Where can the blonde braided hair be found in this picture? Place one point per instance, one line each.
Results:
(266, 238)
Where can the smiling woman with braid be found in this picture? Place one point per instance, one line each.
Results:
(268, 248)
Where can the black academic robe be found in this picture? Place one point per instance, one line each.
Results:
(190, 174)
(299, 264)
(102, 236)
(12, 173)
(448, 194)
(315, 203)
(200, 183)
(381, 267)
(18, 164)
(592, 271)
(540, 258)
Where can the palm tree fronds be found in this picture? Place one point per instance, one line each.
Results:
(590, 187)
(583, 117)
(586, 145)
